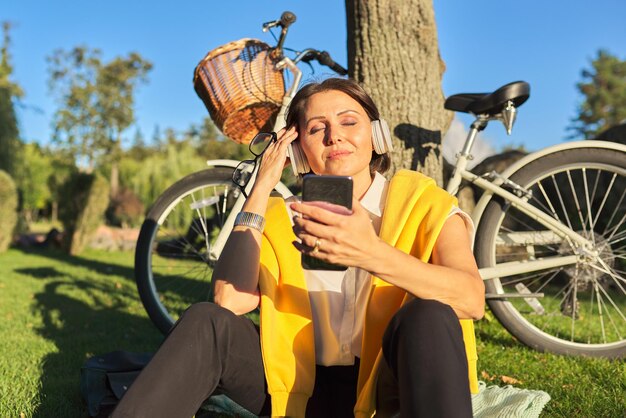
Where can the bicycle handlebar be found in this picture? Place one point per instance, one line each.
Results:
(286, 20)
(323, 57)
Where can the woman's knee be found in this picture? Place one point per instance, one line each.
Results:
(424, 312)
(205, 313)
(419, 319)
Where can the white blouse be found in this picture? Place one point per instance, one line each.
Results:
(338, 298)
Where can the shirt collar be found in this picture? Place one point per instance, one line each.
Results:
(374, 199)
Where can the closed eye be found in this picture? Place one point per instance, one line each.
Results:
(316, 129)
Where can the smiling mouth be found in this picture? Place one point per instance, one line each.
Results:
(333, 155)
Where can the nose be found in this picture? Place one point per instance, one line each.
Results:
(333, 134)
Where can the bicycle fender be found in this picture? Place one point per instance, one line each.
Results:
(222, 163)
(477, 213)
(280, 187)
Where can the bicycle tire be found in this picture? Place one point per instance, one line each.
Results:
(172, 266)
(586, 189)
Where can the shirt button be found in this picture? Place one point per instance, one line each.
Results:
(345, 348)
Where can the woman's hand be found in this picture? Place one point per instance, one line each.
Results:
(349, 240)
(274, 160)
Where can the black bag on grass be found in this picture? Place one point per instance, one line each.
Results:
(104, 379)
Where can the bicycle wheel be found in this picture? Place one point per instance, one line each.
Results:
(583, 310)
(172, 263)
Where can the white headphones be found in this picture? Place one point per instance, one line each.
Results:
(381, 141)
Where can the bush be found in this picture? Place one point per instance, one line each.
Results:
(8, 210)
(125, 209)
(86, 197)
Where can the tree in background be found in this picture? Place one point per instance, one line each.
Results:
(10, 143)
(33, 181)
(96, 103)
(603, 87)
(62, 164)
(393, 52)
(211, 144)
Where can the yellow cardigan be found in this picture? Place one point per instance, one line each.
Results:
(415, 212)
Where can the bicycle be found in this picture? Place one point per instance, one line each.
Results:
(550, 230)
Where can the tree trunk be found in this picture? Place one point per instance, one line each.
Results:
(115, 155)
(115, 178)
(54, 211)
(393, 53)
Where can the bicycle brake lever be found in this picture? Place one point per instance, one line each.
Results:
(271, 24)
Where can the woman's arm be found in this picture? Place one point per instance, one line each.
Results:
(452, 277)
(236, 274)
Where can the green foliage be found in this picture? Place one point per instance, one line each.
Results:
(6, 69)
(8, 210)
(10, 144)
(86, 197)
(603, 87)
(212, 145)
(33, 179)
(96, 100)
(159, 171)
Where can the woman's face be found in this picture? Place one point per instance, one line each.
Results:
(335, 134)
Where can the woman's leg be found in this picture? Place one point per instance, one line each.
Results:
(423, 346)
(334, 394)
(208, 348)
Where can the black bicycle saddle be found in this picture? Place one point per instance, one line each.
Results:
(489, 103)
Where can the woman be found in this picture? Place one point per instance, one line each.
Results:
(331, 343)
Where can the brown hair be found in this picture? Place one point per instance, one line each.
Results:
(379, 162)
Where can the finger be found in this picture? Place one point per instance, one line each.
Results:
(310, 241)
(318, 214)
(316, 229)
(308, 251)
(286, 134)
(313, 245)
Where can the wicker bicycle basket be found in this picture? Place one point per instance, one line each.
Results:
(240, 88)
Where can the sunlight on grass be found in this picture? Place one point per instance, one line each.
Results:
(58, 310)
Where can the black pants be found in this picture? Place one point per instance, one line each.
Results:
(211, 350)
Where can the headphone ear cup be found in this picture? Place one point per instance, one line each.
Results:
(381, 137)
(299, 163)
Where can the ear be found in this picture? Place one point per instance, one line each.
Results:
(381, 137)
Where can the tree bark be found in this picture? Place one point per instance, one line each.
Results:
(393, 53)
(115, 178)
(54, 211)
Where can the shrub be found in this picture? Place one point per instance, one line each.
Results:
(86, 197)
(8, 210)
(125, 209)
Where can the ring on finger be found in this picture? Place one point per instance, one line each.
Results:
(316, 247)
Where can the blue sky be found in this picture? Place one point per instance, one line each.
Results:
(484, 44)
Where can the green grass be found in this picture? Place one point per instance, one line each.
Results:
(57, 310)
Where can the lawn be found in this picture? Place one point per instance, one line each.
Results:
(57, 310)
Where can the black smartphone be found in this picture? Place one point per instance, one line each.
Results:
(331, 189)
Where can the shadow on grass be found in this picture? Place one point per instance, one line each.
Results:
(492, 332)
(83, 318)
(186, 288)
(100, 267)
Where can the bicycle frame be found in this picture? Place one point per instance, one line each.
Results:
(220, 240)
(556, 231)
